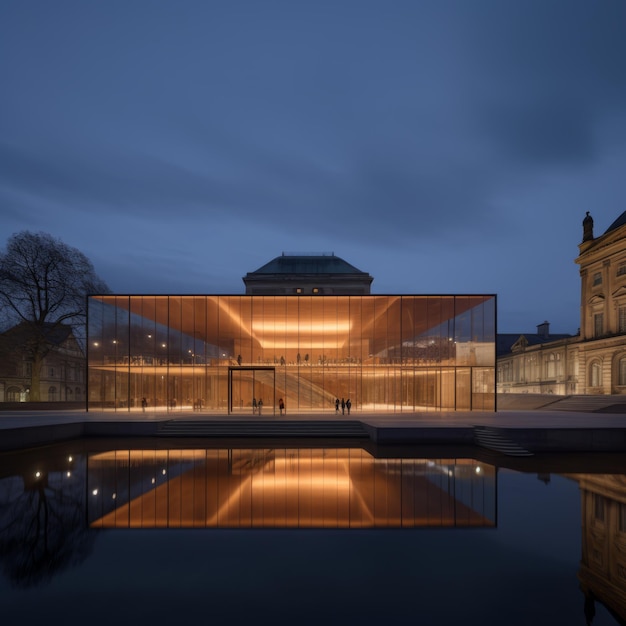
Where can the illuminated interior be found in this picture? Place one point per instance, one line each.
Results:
(285, 488)
(218, 353)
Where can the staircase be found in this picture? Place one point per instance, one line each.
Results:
(590, 404)
(258, 428)
(495, 439)
(550, 402)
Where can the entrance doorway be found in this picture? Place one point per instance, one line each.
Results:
(247, 384)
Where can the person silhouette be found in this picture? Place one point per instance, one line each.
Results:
(348, 405)
(281, 405)
(254, 406)
(343, 406)
(336, 406)
(260, 405)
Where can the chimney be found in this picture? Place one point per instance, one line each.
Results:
(543, 330)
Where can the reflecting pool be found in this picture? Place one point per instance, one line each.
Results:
(125, 533)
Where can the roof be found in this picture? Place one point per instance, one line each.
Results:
(506, 341)
(307, 264)
(620, 221)
(55, 334)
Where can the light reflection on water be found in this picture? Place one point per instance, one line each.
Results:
(306, 535)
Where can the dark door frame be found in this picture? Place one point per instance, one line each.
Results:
(252, 368)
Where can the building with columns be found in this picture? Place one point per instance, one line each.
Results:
(594, 361)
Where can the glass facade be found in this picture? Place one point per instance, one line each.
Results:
(220, 353)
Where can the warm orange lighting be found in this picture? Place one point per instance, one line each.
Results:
(301, 327)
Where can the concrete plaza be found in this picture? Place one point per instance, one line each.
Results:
(509, 431)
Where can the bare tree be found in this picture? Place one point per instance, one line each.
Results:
(43, 286)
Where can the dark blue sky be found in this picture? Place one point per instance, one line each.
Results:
(442, 146)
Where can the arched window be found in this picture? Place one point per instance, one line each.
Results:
(52, 394)
(594, 374)
(551, 367)
(13, 394)
(621, 372)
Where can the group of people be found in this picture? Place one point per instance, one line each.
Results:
(257, 406)
(344, 404)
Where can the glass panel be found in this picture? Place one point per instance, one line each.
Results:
(387, 353)
(463, 389)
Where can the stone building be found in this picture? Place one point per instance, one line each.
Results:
(594, 361)
(62, 374)
(538, 362)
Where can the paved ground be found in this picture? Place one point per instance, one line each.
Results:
(439, 419)
(530, 430)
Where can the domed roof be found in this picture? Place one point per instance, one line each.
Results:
(620, 221)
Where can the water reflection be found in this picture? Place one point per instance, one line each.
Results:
(55, 503)
(285, 488)
(42, 518)
(602, 571)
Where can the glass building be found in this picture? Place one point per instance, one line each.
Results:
(224, 353)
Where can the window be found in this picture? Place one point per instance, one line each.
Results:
(505, 373)
(597, 279)
(621, 269)
(551, 367)
(621, 319)
(599, 506)
(298, 289)
(594, 375)
(598, 324)
(13, 394)
(621, 380)
(316, 290)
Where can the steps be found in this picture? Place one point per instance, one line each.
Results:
(549, 402)
(587, 404)
(259, 428)
(495, 439)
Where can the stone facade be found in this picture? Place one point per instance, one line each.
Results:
(62, 374)
(594, 361)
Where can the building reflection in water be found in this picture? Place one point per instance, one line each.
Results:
(285, 488)
(602, 571)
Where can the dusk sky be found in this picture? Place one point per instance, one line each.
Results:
(441, 146)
